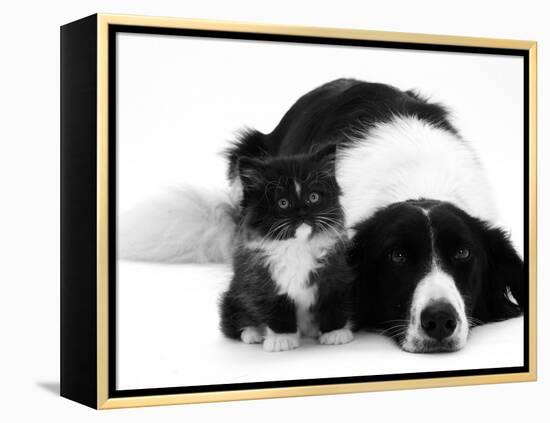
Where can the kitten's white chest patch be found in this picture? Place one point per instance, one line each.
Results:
(291, 261)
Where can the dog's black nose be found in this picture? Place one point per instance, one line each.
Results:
(439, 320)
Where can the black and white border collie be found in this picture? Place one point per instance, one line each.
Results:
(428, 260)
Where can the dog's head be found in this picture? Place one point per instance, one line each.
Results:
(427, 271)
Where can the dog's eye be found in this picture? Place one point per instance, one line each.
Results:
(313, 197)
(283, 203)
(462, 254)
(398, 256)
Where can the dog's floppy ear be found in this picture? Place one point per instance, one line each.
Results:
(505, 276)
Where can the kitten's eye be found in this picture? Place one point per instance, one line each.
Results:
(284, 203)
(461, 254)
(398, 256)
(313, 197)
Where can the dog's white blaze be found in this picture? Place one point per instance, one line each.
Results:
(290, 263)
(408, 158)
(437, 285)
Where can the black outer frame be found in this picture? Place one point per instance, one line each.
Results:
(79, 60)
(79, 211)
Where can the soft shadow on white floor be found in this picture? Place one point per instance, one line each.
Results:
(51, 387)
(167, 323)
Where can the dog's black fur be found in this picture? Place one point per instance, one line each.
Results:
(328, 114)
(332, 114)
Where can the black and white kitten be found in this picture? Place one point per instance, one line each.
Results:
(290, 277)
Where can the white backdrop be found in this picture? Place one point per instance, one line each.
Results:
(30, 212)
(179, 102)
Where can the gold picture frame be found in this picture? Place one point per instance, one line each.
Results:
(85, 374)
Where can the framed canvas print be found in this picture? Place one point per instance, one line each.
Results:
(256, 211)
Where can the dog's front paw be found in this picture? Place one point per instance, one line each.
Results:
(251, 335)
(336, 337)
(275, 342)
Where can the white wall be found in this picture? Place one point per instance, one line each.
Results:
(29, 172)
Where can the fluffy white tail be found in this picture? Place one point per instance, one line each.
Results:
(181, 226)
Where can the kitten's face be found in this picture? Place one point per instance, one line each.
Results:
(281, 194)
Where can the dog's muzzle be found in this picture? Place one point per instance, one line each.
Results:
(437, 319)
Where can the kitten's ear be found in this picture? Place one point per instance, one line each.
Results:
(326, 157)
(250, 172)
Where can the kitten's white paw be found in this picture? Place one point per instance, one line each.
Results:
(251, 335)
(275, 342)
(336, 337)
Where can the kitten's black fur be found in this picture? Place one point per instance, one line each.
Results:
(254, 298)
